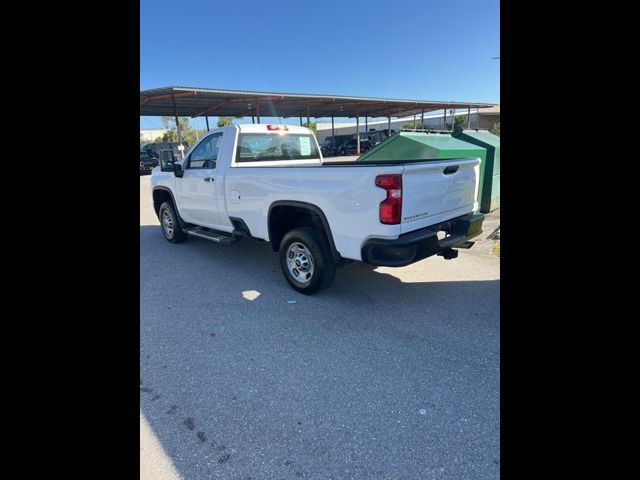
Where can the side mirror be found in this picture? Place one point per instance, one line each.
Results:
(167, 161)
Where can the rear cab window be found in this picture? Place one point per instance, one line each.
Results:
(275, 147)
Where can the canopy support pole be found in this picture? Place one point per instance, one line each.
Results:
(357, 132)
(333, 135)
(468, 117)
(389, 123)
(258, 111)
(445, 119)
(422, 118)
(175, 114)
(206, 119)
(414, 121)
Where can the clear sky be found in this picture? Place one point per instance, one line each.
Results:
(411, 49)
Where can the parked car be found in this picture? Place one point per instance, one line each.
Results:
(148, 161)
(351, 147)
(331, 147)
(328, 149)
(268, 182)
(377, 137)
(156, 148)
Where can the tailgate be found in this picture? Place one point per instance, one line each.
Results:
(436, 191)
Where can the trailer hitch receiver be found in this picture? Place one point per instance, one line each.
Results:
(448, 253)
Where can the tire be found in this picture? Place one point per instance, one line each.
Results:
(306, 248)
(170, 224)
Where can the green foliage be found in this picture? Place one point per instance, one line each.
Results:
(459, 122)
(224, 121)
(171, 135)
(410, 125)
(495, 129)
(313, 126)
(187, 133)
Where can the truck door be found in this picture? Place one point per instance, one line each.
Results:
(196, 190)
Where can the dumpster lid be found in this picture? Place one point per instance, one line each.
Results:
(484, 136)
(421, 145)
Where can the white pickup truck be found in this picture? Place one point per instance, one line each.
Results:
(269, 182)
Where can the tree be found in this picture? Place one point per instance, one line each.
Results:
(410, 125)
(169, 123)
(459, 122)
(495, 129)
(170, 136)
(187, 133)
(224, 121)
(313, 126)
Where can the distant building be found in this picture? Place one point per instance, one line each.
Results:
(150, 134)
(487, 117)
(482, 120)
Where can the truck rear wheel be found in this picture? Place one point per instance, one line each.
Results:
(306, 261)
(170, 224)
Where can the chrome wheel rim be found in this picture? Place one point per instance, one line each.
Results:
(167, 223)
(300, 263)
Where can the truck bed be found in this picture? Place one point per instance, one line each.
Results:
(354, 163)
(351, 161)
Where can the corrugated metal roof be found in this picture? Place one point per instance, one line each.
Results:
(198, 102)
(495, 110)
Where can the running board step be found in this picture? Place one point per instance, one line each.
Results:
(213, 235)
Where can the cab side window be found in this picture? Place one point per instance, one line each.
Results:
(206, 153)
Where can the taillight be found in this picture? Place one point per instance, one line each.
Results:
(390, 207)
(277, 127)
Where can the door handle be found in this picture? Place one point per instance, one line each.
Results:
(450, 170)
(208, 179)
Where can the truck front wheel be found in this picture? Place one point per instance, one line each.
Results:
(170, 224)
(306, 261)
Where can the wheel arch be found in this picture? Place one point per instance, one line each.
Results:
(277, 230)
(161, 195)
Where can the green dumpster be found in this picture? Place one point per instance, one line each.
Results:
(489, 196)
(411, 145)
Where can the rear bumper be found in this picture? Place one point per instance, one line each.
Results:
(419, 244)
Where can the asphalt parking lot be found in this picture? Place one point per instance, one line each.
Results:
(389, 374)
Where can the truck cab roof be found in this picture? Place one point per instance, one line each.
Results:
(271, 128)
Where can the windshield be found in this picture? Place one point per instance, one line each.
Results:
(256, 147)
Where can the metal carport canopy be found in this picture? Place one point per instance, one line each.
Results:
(199, 102)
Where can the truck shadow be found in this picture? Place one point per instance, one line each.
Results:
(252, 265)
(241, 377)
